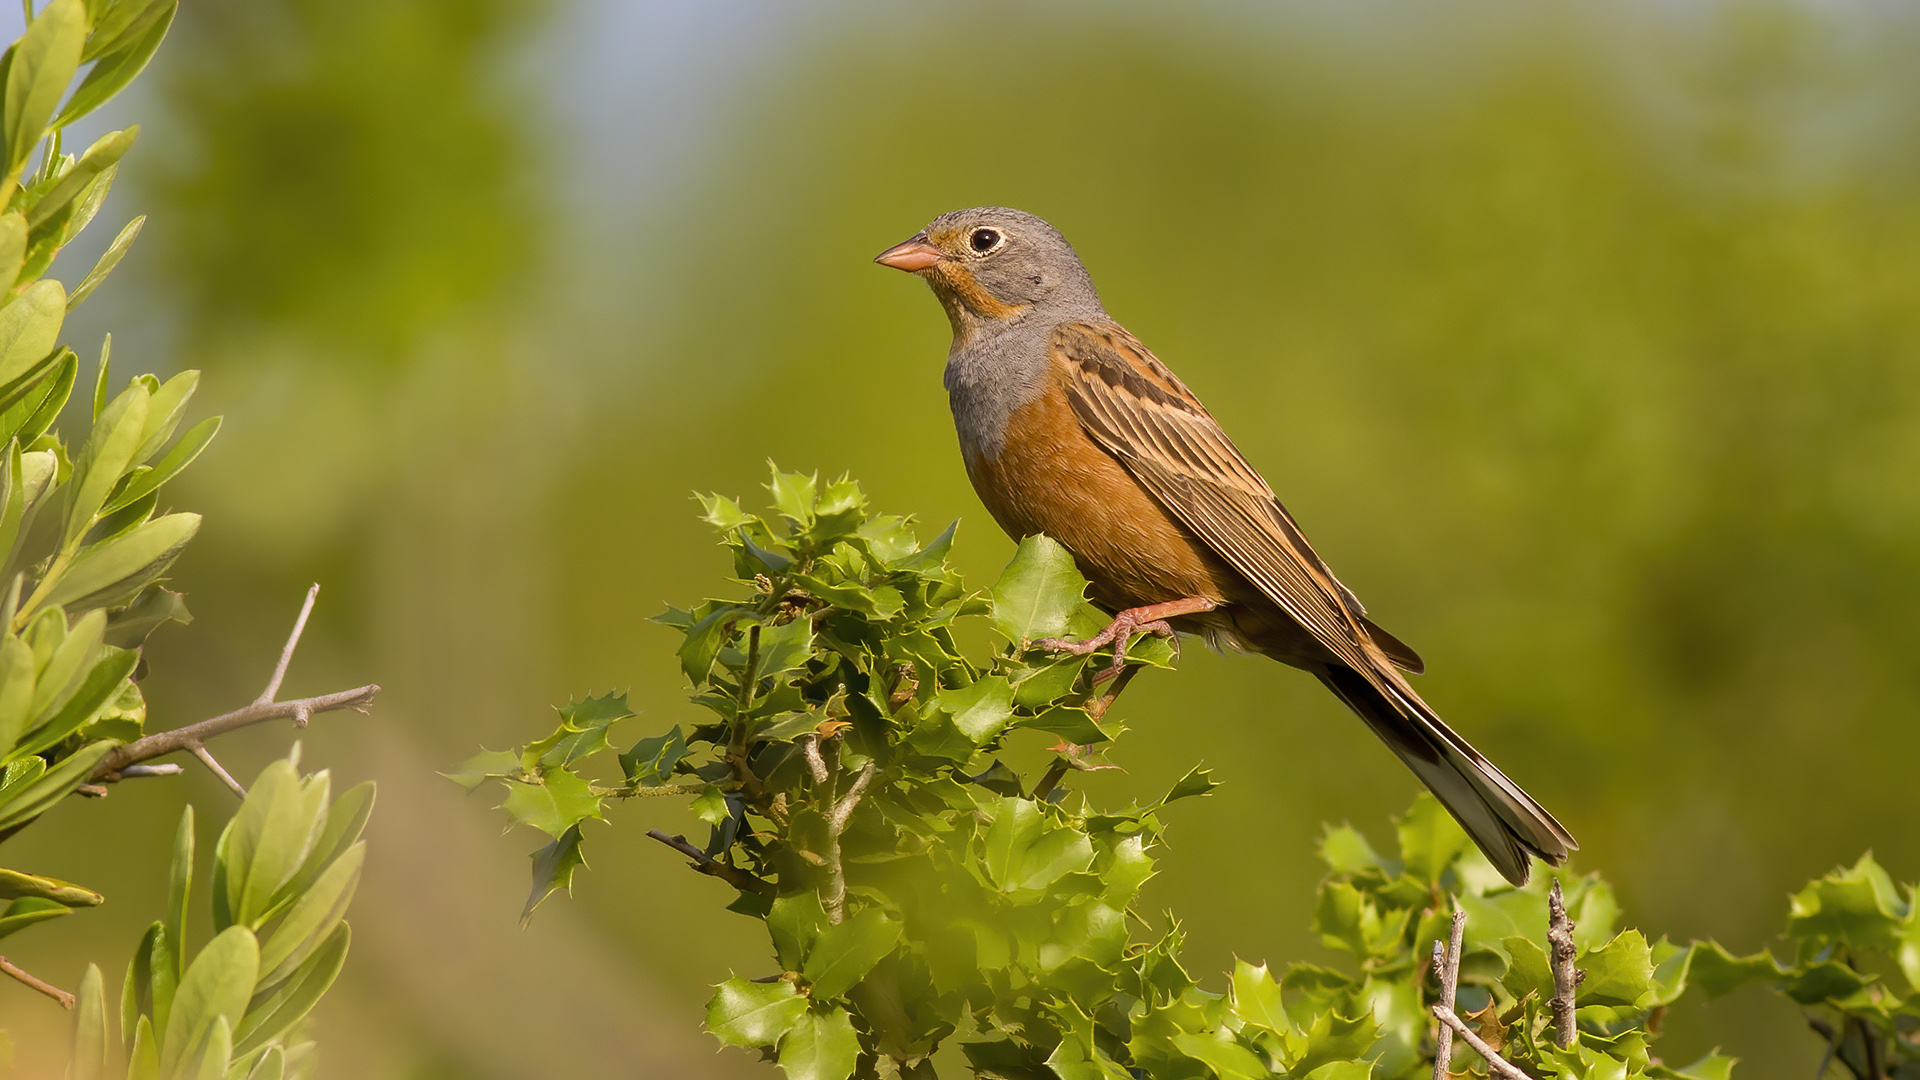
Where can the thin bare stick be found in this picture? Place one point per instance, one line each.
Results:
(843, 809)
(810, 746)
(116, 765)
(1496, 1064)
(65, 999)
(834, 896)
(732, 875)
(293, 642)
(1566, 977)
(1446, 963)
(206, 758)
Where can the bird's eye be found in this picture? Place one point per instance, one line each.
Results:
(984, 240)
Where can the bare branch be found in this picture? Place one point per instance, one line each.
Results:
(186, 738)
(118, 764)
(1446, 965)
(1566, 977)
(732, 875)
(834, 896)
(1496, 1064)
(206, 758)
(293, 642)
(843, 809)
(810, 746)
(65, 999)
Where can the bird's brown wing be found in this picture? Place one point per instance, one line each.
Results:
(1134, 408)
(1140, 413)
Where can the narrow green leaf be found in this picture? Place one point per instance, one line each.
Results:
(272, 1015)
(820, 1046)
(57, 784)
(108, 453)
(180, 887)
(215, 989)
(153, 975)
(143, 1061)
(13, 253)
(44, 60)
(271, 1066)
(14, 885)
(26, 911)
(119, 23)
(750, 1014)
(30, 327)
(164, 411)
(98, 158)
(312, 917)
(108, 260)
(214, 1053)
(265, 843)
(16, 688)
(90, 1047)
(67, 669)
(111, 74)
(118, 568)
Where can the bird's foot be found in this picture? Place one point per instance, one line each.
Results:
(1150, 619)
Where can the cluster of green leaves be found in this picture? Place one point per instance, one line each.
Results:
(81, 546)
(915, 889)
(1854, 966)
(1388, 912)
(284, 870)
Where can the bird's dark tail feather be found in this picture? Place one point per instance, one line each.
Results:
(1502, 819)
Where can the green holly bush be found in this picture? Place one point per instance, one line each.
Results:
(916, 891)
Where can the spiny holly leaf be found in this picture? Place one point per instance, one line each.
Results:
(1618, 973)
(1039, 592)
(1430, 840)
(1859, 907)
(1256, 998)
(651, 761)
(750, 1014)
(561, 801)
(979, 710)
(474, 771)
(843, 954)
(553, 868)
(820, 1046)
(582, 732)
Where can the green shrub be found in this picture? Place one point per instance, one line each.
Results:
(916, 890)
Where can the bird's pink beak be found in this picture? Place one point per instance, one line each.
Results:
(912, 256)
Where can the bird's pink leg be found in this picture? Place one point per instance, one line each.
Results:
(1151, 619)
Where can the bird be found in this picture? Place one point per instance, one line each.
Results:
(1070, 427)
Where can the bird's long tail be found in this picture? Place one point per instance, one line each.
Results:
(1503, 820)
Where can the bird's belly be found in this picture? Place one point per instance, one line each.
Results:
(1048, 476)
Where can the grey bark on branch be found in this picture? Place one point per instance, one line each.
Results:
(1566, 977)
(193, 737)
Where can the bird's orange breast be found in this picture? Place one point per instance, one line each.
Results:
(1050, 477)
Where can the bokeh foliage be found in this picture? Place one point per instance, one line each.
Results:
(915, 890)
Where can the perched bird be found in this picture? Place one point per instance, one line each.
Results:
(1071, 428)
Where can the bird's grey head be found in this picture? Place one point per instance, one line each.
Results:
(992, 265)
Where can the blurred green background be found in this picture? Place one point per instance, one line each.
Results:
(1584, 340)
